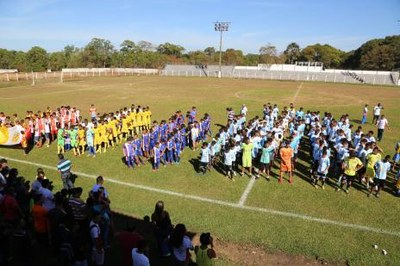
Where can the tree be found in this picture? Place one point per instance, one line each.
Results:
(6, 58)
(209, 51)
(198, 58)
(145, 46)
(98, 52)
(37, 59)
(292, 53)
(57, 61)
(170, 49)
(127, 46)
(20, 61)
(232, 57)
(268, 54)
(376, 54)
(330, 56)
(251, 59)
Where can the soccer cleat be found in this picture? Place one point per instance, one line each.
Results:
(316, 186)
(323, 187)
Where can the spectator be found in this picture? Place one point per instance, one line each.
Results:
(99, 185)
(97, 243)
(204, 253)
(20, 240)
(163, 227)
(64, 168)
(128, 240)
(12, 213)
(47, 195)
(138, 254)
(78, 207)
(40, 222)
(37, 184)
(57, 216)
(181, 244)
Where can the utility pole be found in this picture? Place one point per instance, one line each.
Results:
(221, 27)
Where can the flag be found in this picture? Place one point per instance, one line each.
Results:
(10, 136)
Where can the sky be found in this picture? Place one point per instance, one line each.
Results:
(53, 24)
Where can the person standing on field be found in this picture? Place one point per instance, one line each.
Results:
(382, 168)
(381, 124)
(64, 168)
(286, 154)
(365, 114)
(377, 113)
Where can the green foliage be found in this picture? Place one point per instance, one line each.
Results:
(292, 53)
(377, 54)
(170, 49)
(37, 59)
(97, 53)
(330, 56)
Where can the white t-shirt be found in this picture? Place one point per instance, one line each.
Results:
(94, 232)
(205, 155)
(244, 110)
(180, 253)
(382, 169)
(377, 110)
(323, 165)
(382, 123)
(139, 259)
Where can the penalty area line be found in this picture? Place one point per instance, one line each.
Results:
(226, 203)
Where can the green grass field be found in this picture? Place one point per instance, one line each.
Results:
(274, 217)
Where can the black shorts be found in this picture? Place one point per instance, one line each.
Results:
(321, 175)
(349, 178)
(264, 166)
(228, 168)
(202, 164)
(379, 182)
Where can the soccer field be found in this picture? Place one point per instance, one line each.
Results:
(296, 219)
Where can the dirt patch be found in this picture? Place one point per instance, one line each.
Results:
(253, 255)
(230, 253)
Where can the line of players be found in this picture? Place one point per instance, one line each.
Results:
(165, 142)
(333, 146)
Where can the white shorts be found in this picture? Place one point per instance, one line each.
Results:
(98, 257)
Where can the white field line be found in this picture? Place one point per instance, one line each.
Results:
(228, 204)
(297, 92)
(246, 192)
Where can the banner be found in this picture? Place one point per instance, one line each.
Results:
(10, 136)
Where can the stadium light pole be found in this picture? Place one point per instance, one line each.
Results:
(221, 27)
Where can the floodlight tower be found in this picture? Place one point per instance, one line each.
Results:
(221, 27)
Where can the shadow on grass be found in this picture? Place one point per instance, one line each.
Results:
(114, 255)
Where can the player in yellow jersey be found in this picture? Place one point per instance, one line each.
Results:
(140, 119)
(104, 135)
(97, 138)
(81, 140)
(148, 117)
(124, 127)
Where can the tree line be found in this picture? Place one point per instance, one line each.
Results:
(376, 54)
